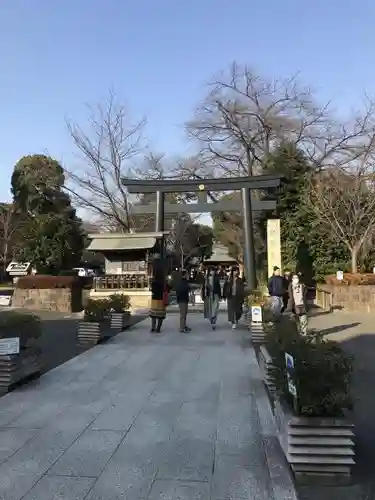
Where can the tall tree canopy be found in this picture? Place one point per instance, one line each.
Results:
(50, 234)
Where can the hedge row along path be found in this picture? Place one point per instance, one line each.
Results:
(146, 416)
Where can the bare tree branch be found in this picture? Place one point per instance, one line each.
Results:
(244, 117)
(344, 203)
(109, 150)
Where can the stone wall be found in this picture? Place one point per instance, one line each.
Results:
(352, 298)
(56, 299)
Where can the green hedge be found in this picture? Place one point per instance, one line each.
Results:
(322, 370)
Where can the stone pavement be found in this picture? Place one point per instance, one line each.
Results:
(144, 416)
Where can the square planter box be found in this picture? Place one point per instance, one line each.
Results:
(257, 333)
(319, 450)
(93, 332)
(17, 367)
(120, 321)
(266, 367)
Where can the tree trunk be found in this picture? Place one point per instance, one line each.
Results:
(354, 254)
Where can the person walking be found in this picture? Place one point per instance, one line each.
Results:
(182, 295)
(234, 292)
(211, 294)
(287, 281)
(297, 303)
(158, 296)
(276, 289)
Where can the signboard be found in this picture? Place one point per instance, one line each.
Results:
(340, 275)
(9, 346)
(5, 300)
(18, 268)
(289, 361)
(256, 314)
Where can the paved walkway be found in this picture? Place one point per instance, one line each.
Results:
(169, 417)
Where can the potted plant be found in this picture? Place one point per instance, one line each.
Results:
(95, 325)
(19, 364)
(314, 430)
(120, 314)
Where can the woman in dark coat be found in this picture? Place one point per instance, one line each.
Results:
(158, 289)
(234, 292)
(211, 295)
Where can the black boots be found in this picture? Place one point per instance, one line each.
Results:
(156, 324)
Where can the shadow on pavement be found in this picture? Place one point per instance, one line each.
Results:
(59, 338)
(362, 347)
(337, 329)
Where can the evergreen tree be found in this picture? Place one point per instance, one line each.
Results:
(50, 234)
(304, 247)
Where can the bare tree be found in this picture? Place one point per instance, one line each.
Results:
(109, 150)
(344, 204)
(244, 117)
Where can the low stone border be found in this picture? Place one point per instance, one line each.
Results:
(15, 368)
(319, 450)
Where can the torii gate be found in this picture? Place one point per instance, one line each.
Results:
(244, 184)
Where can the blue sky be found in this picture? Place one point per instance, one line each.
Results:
(57, 55)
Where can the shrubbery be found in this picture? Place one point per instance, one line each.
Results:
(351, 279)
(322, 372)
(100, 309)
(26, 326)
(42, 281)
(46, 281)
(119, 302)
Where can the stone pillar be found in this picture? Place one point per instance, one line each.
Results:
(273, 245)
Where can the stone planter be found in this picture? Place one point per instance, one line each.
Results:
(93, 332)
(257, 333)
(266, 367)
(17, 367)
(120, 321)
(317, 449)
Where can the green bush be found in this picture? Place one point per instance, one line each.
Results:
(97, 310)
(322, 371)
(119, 302)
(26, 326)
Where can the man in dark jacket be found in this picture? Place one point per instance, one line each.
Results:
(182, 296)
(276, 289)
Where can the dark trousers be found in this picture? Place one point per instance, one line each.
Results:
(156, 324)
(183, 306)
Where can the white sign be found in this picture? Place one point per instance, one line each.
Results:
(256, 314)
(9, 346)
(340, 275)
(5, 300)
(289, 361)
(18, 268)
